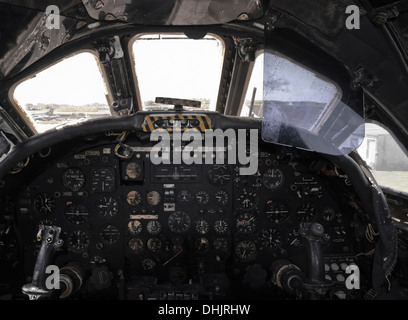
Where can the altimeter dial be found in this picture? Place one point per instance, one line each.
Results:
(44, 203)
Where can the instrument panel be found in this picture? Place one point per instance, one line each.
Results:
(179, 223)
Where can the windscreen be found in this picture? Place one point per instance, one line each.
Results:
(303, 109)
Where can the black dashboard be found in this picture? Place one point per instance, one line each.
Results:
(135, 230)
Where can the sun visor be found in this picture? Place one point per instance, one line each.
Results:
(305, 110)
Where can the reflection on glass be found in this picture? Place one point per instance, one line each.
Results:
(304, 110)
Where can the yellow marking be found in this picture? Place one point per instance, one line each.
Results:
(149, 123)
(202, 127)
(208, 122)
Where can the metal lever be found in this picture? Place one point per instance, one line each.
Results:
(314, 236)
(51, 241)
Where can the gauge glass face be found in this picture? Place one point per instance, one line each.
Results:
(247, 198)
(245, 223)
(220, 244)
(202, 197)
(245, 250)
(221, 226)
(154, 244)
(78, 241)
(221, 197)
(148, 264)
(134, 227)
(109, 234)
(135, 245)
(153, 198)
(44, 203)
(133, 170)
(76, 213)
(73, 179)
(219, 175)
(107, 207)
(202, 244)
(134, 198)
(306, 212)
(154, 227)
(184, 196)
(202, 226)
(179, 222)
(272, 178)
(329, 214)
(103, 180)
(271, 238)
(294, 239)
(277, 211)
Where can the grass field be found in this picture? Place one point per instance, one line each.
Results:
(397, 180)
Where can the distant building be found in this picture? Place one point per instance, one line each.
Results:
(381, 152)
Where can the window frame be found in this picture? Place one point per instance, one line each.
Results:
(132, 62)
(22, 112)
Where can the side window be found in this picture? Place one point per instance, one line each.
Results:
(252, 106)
(68, 92)
(386, 158)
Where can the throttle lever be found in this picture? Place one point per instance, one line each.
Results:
(51, 241)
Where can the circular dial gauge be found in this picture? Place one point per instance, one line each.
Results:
(154, 227)
(148, 264)
(277, 211)
(247, 198)
(177, 275)
(109, 234)
(154, 244)
(73, 179)
(103, 180)
(202, 244)
(76, 213)
(306, 212)
(179, 222)
(134, 227)
(294, 239)
(221, 226)
(135, 245)
(134, 198)
(202, 197)
(153, 198)
(184, 196)
(329, 214)
(78, 241)
(107, 207)
(133, 170)
(44, 203)
(220, 244)
(219, 174)
(245, 250)
(272, 178)
(221, 197)
(202, 226)
(271, 238)
(245, 223)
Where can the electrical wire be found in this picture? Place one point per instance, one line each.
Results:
(18, 168)
(121, 145)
